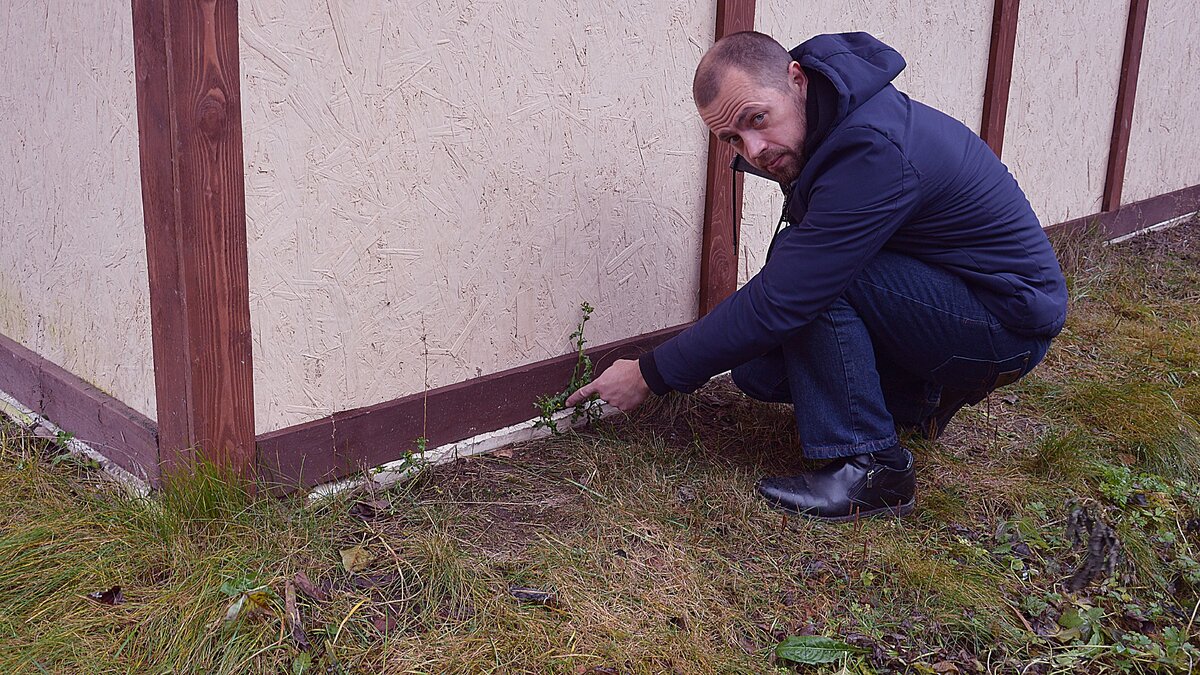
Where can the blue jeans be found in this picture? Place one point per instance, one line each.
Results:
(903, 336)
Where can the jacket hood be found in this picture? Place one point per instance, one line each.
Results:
(857, 64)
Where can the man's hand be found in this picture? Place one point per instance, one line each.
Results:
(621, 385)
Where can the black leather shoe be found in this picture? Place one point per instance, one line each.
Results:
(845, 489)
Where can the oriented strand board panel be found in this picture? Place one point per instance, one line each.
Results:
(1066, 67)
(73, 283)
(1164, 150)
(945, 44)
(433, 188)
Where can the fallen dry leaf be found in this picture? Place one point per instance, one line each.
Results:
(251, 603)
(292, 617)
(356, 559)
(370, 509)
(503, 452)
(386, 622)
(309, 588)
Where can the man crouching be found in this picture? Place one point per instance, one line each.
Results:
(912, 277)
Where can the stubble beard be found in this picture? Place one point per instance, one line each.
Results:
(796, 157)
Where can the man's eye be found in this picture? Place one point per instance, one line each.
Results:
(735, 140)
(758, 119)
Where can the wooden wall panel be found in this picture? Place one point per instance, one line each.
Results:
(1066, 71)
(73, 280)
(1164, 154)
(433, 188)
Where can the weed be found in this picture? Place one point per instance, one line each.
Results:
(581, 374)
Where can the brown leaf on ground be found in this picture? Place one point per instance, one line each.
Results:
(370, 509)
(309, 588)
(747, 643)
(292, 618)
(112, 596)
(506, 451)
(386, 622)
(356, 558)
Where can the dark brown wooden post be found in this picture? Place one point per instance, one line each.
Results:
(193, 196)
(1131, 60)
(999, 73)
(722, 196)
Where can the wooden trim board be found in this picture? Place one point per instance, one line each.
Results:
(120, 433)
(193, 196)
(1135, 217)
(347, 442)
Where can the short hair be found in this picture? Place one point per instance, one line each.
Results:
(759, 56)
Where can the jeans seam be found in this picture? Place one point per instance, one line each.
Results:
(846, 377)
(926, 305)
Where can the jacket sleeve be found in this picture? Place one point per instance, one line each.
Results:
(864, 190)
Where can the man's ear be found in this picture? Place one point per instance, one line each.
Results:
(797, 76)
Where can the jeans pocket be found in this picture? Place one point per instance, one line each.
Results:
(979, 376)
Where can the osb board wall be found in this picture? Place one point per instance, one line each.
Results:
(73, 284)
(1066, 67)
(433, 188)
(945, 44)
(1164, 153)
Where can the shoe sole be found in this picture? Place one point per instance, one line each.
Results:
(898, 511)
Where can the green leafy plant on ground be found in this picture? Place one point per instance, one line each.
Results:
(581, 374)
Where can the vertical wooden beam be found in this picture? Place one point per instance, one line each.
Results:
(1131, 60)
(999, 73)
(722, 195)
(193, 197)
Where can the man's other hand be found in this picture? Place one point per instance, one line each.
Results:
(621, 385)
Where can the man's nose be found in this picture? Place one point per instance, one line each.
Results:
(754, 147)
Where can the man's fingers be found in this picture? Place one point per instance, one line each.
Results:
(580, 394)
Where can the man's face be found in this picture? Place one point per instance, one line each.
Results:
(764, 124)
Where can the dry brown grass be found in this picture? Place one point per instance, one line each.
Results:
(647, 532)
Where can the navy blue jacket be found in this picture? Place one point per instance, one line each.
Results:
(886, 172)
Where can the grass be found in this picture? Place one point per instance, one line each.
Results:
(641, 547)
